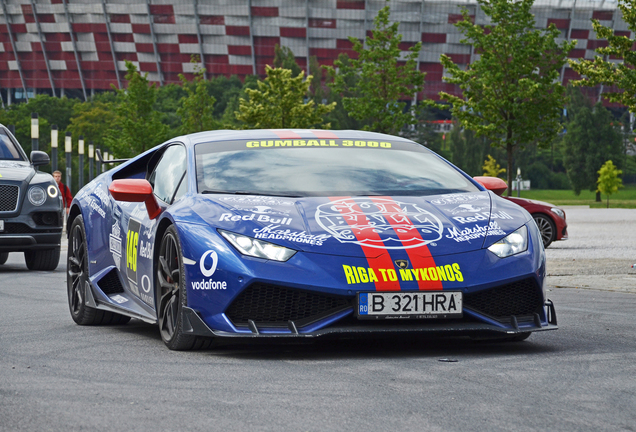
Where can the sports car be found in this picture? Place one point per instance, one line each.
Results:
(549, 218)
(30, 206)
(301, 234)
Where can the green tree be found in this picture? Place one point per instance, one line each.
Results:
(139, 127)
(492, 168)
(285, 58)
(50, 110)
(468, 151)
(93, 120)
(197, 108)
(511, 93)
(609, 180)
(375, 84)
(610, 73)
(590, 139)
(279, 103)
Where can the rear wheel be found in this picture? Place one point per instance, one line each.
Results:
(172, 296)
(4, 256)
(77, 281)
(546, 228)
(42, 259)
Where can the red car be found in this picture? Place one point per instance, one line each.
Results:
(549, 218)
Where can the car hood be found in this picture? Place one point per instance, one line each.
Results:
(366, 226)
(16, 171)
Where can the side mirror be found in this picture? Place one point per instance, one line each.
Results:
(135, 190)
(39, 158)
(497, 185)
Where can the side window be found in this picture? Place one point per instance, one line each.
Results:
(169, 174)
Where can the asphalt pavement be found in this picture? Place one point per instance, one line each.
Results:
(57, 376)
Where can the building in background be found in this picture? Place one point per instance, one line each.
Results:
(78, 47)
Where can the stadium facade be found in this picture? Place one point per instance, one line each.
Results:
(78, 47)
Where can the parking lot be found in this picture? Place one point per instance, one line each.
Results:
(55, 375)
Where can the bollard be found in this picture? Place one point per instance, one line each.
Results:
(80, 151)
(54, 133)
(68, 148)
(91, 156)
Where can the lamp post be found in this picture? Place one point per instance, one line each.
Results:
(91, 156)
(68, 148)
(54, 133)
(35, 132)
(80, 151)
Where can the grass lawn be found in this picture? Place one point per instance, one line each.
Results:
(624, 198)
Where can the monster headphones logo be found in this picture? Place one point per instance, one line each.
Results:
(379, 223)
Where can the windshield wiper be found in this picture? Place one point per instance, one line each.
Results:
(250, 193)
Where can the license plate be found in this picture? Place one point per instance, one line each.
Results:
(1, 225)
(396, 305)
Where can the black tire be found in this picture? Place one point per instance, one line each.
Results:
(42, 259)
(546, 228)
(77, 278)
(4, 256)
(172, 296)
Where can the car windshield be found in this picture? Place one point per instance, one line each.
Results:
(326, 168)
(8, 150)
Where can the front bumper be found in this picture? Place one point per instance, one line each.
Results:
(193, 324)
(21, 234)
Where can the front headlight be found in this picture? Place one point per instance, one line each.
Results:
(558, 211)
(512, 244)
(52, 191)
(257, 248)
(36, 195)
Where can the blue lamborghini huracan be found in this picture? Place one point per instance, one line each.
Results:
(303, 233)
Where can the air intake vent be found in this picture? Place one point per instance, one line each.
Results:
(275, 305)
(110, 283)
(8, 198)
(518, 298)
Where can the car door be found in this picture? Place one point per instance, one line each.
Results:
(168, 180)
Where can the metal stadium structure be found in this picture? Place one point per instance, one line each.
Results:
(77, 47)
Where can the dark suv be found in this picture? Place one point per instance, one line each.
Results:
(31, 208)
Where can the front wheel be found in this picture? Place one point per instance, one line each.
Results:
(77, 281)
(546, 228)
(172, 296)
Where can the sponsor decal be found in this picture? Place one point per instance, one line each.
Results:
(265, 210)
(99, 193)
(466, 208)
(459, 199)
(316, 143)
(139, 212)
(132, 243)
(208, 267)
(119, 299)
(476, 232)
(483, 216)
(146, 287)
(449, 272)
(149, 229)
(114, 243)
(94, 206)
(379, 223)
(270, 232)
(229, 217)
(145, 249)
(256, 200)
